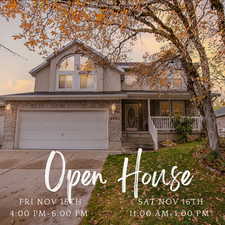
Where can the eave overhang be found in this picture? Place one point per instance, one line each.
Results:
(64, 97)
(54, 96)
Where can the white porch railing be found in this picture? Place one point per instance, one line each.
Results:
(153, 132)
(166, 122)
(152, 129)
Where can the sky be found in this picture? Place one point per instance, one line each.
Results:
(14, 73)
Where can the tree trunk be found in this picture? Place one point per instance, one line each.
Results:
(211, 125)
(205, 106)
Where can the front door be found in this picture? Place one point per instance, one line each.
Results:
(131, 117)
(135, 115)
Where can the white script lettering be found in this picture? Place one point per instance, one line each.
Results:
(174, 182)
(73, 177)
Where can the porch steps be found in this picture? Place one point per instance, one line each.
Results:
(134, 147)
(132, 141)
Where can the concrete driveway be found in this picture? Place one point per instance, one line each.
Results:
(24, 199)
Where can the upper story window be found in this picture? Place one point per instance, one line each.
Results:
(130, 79)
(169, 81)
(68, 64)
(86, 69)
(164, 81)
(65, 81)
(177, 81)
(76, 72)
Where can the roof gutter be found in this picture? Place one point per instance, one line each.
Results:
(153, 95)
(64, 97)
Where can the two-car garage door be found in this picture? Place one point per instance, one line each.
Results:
(63, 130)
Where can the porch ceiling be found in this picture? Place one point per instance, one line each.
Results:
(159, 95)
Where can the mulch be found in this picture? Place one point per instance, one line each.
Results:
(217, 165)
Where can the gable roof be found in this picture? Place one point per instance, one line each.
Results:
(69, 45)
(220, 112)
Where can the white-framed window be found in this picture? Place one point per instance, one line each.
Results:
(130, 79)
(176, 81)
(87, 73)
(76, 72)
(167, 81)
(65, 81)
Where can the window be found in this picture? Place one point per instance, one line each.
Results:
(67, 64)
(66, 73)
(86, 64)
(86, 81)
(178, 108)
(177, 81)
(86, 69)
(76, 72)
(171, 80)
(130, 79)
(164, 83)
(65, 81)
(164, 108)
(172, 107)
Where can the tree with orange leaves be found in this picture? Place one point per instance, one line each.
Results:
(114, 25)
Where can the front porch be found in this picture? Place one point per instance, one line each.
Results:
(144, 121)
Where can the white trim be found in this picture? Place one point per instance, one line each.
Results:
(18, 120)
(66, 97)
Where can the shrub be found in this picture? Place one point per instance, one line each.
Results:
(183, 127)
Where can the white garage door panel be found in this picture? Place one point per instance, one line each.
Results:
(63, 130)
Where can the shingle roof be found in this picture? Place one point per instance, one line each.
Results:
(220, 112)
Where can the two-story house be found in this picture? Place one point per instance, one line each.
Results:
(81, 101)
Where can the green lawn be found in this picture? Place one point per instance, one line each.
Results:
(108, 206)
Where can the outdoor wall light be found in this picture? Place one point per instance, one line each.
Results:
(113, 107)
(8, 107)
